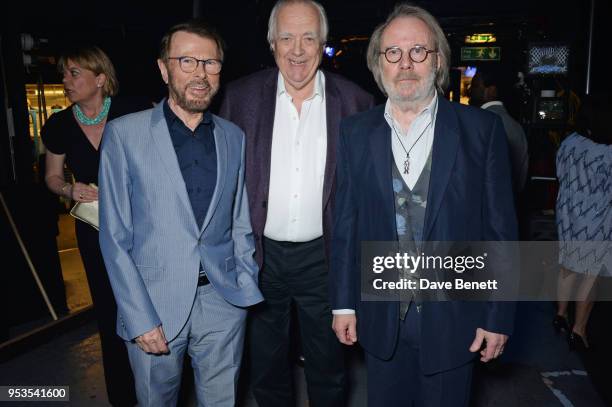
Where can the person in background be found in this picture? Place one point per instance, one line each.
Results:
(584, 215)
(291, 115)
(51, 275)
(72, 137)
(488, 90)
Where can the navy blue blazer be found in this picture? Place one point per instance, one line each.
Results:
(469, 199)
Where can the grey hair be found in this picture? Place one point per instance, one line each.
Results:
(440, 44)
(272, 22)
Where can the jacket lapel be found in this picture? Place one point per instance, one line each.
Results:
(163, 144)
(333, 112)
(444, 153)
(380, 144)
(263, 140)
(221, 148)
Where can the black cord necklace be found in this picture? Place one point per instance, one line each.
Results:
(407, 161)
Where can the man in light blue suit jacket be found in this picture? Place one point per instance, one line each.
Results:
(175, 231)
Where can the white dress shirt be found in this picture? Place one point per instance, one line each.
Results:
(420, 138)
(297, 168)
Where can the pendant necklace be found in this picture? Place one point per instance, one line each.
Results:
(407, 161)
(96, 120)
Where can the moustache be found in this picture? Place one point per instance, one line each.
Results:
(199, 83)
(403, 77)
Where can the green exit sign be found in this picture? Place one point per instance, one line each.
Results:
(480, 53)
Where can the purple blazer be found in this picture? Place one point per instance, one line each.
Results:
(250, 103)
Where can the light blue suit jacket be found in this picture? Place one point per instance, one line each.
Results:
(151, 243)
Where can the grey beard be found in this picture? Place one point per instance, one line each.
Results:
(421, 93)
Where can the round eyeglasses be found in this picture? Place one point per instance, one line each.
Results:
(190, 64)
(416, 54)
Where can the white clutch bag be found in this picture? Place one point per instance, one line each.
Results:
(87, 212)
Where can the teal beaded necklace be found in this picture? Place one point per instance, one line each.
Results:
(96, 120)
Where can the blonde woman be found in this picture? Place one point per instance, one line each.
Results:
(72, 137)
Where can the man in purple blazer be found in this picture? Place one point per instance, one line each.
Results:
(291, 116)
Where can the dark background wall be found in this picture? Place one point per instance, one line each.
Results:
(130, 30)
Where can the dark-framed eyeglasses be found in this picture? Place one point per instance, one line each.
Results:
(190, 64)
(417, 54)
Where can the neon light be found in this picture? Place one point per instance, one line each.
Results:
(483, 38)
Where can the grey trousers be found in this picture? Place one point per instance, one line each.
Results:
(213, 337)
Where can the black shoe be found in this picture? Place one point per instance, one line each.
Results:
(300, 361)
(577, 343)
(560, 324)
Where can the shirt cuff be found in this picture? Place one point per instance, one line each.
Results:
(345, 311)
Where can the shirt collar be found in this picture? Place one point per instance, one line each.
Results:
(172, 118)
(428, 113)
(319, 86)
(492, 103)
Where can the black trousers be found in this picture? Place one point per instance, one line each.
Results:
(294, 273)
(399, 382)
(117, 371)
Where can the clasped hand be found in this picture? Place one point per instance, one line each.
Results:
(153, 341)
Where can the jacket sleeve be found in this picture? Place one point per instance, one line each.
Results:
(242, 234)
(343, 265)
(116, 238)
(500, 225)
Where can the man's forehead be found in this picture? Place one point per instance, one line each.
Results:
(314, 33)
(184, 38)
(301, 15)
(407, 28)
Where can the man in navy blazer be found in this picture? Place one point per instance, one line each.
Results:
(175, 231)
(418, 169)
(291, 117)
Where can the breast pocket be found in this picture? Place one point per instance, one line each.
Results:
(150, 273)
